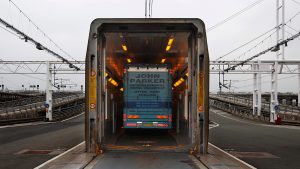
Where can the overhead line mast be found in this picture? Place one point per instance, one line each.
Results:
(148, 8)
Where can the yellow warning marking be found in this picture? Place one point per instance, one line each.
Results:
(93, 90)
(200, 91)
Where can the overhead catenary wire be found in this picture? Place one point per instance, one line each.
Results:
(292, 28)
(244, 80)
(255, 46)
(24, 74)
(296, 2)
(263, 82)
(34, 77)
(293, 17)
(252, 40)
(39, 29)
(234, 15)
(9, 31)
(286, 24)
(36, 43)
(273, 48)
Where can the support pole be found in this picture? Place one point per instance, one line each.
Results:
(277, 24)
(274, 76)
(48, 92)
(259, 89)
(274, 92)
(283, 29)
(254, 100)
(281, 51)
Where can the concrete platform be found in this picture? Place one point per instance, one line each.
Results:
(219, 159)
(76, 158)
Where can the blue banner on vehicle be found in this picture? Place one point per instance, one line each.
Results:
(147, 94)
(148, 104)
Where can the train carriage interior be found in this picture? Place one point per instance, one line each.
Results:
(169, 46)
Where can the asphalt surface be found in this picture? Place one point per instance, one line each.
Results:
(261, 145)
(29, 146)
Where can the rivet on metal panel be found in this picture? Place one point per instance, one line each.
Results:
(200, 35)
(95, 35)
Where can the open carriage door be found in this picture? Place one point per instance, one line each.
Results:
(95, 92)
(198, 87)
(202, 72)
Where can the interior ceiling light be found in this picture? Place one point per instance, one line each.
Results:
(179, 82)
(113, 82)
(187, 74)
(170, 42)
(129, 60)
(122, 89)
(124, 47)
(168, 48)
(163, 60)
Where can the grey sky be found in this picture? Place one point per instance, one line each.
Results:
(67, 23)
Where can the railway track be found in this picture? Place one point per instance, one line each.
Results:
(67, 111)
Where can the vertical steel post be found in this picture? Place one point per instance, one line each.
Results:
(49, 91)
(254, 100)
(277, 25)
(259, 88)
(283, 28)
(282, 48)
(274, 76)
(274, 92)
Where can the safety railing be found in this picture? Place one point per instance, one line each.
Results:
(284, 109)
(30, 100)
(40, 105)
